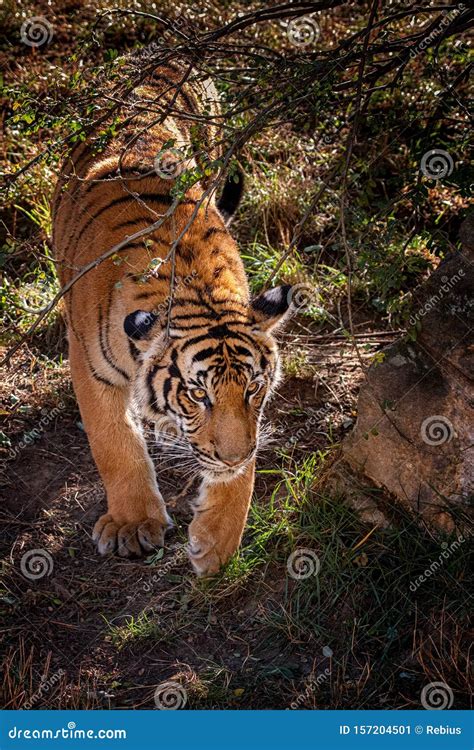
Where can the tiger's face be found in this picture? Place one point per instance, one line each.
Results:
(205, 388)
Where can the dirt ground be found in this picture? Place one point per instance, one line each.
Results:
(52, 499)
(113, 629)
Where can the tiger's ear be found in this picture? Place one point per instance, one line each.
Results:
(272, 307)
(138, 324)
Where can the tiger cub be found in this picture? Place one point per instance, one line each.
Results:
(165, 330)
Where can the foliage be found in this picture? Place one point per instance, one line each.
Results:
(290, 115)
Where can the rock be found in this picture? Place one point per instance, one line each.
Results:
(414, 434)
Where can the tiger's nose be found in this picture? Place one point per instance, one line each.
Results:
(232, 459)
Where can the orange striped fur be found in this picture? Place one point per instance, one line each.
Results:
(176, 342)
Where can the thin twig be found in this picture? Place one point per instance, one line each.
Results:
(349, 148)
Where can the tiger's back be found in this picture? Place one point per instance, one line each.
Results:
(105, 196)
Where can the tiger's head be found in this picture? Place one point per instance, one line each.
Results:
(204, 378)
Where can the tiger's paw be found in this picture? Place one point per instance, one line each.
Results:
(208, 553)
(205, 563)
(130, 539)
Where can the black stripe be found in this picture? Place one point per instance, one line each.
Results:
(260, 347)
(185, 252)
(80, 338)
(192, 106)
(243, 351)
(126, 175)
(180, 327)
(191, 316)
(167, 390)
(165, 199)
(213, 314)
(77, 159)
(174, 371)
(131, 245)
(134, 351)
(75, 237)
(103, 348)
(205, 353)
(192, 431)
(99, 377)
(220, 331)
(181, 398)
(132, 223)
(217, 332)
(183, 329)
(174, 68)
(195, 340)
(138, 219)
(213, 230)
(196, 303)
(147, 295)
(163, 79)
(151, 393)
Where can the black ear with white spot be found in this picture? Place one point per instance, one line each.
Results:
(271, 307)
(138, 324)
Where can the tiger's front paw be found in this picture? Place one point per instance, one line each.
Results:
(130, 539)
(210, 550)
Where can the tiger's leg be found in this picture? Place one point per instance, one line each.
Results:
(136, 517)
(219, 520)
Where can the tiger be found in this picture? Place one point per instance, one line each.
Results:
(163, 332)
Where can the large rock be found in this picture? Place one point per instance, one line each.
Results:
(414, 434)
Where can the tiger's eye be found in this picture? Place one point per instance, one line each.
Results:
(198, 394)
(253, 387)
